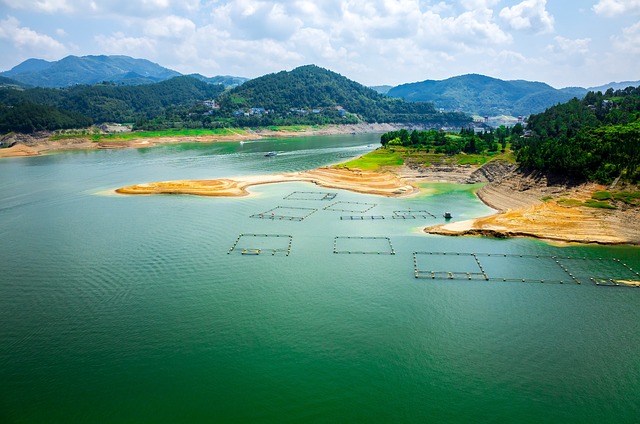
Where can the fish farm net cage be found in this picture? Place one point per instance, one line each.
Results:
(262, 244)
(311, 195)
(363, 245)
(287, 213)
(509, 267)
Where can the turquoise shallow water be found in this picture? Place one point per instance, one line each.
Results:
(130, 309)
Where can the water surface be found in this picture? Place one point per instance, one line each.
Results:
(130, 308)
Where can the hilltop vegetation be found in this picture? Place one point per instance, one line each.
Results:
(313, 95)
(82, 105)
(595, 139)
(306, 95)
(486, 96)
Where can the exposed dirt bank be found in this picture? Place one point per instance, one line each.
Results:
(518, 196)
(368, 182)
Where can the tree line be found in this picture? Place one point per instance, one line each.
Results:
(594, 139)
(467, 140)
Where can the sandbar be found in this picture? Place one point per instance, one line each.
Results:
(367, 182)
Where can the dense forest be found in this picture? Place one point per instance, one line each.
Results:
(595, 139)
(306, 95)
(83, 105)
(467, 140)
(313, 95)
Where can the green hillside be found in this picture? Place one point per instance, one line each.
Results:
(485, 96)
(101, 103)
(310, 94)
(596, 138)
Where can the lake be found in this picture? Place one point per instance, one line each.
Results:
(191, 309)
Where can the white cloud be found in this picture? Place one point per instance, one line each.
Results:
(28, 40)
(129, 8)
(529, 15)
(616, 7)
(48, 6)
(628, 43)
(170, 27)
(119, 43)
(566, 46)
(478, 4)
(257, 19)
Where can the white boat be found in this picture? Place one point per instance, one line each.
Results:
(269, 154)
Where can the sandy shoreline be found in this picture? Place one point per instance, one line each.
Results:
(368, 182)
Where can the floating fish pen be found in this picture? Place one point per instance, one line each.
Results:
(285, 213)
(412, 214)
(506, 267)
(360, 217)
(363, 245)
(311, 195)
(354, 207)
(262, 244)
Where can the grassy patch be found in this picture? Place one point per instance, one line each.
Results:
(628, 197)
(602, 195)
(374, 160)
(547, 198)
(569, 202)
(196, 132)
(599, 205)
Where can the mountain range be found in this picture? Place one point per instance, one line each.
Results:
(486, 96)
(472, 94)
(88, 70)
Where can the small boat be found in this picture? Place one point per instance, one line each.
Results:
(447, 215)
(271, 154)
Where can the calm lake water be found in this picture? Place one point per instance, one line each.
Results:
(130, 309)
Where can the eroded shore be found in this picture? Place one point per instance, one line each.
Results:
(560, 217)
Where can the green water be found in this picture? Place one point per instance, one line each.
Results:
(129, 309)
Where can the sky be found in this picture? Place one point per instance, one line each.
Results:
(564, 43)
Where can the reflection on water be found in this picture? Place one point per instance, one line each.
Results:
(118, 308)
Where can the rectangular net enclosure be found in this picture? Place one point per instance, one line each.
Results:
(509, 267)
(311, 195)
(262, 244)
(287, 213)
(354, 207)
(447, 266)
(410, 214)
(601, 271)
(363, 245)
(517, 268)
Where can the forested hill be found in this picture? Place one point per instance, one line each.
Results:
(596, 138)
(486, 96)
(311, 90)
(81, 105)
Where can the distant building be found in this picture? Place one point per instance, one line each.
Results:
(211, 104)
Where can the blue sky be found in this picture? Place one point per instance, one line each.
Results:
(560, 42)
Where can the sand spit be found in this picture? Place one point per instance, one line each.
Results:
(368, 182)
